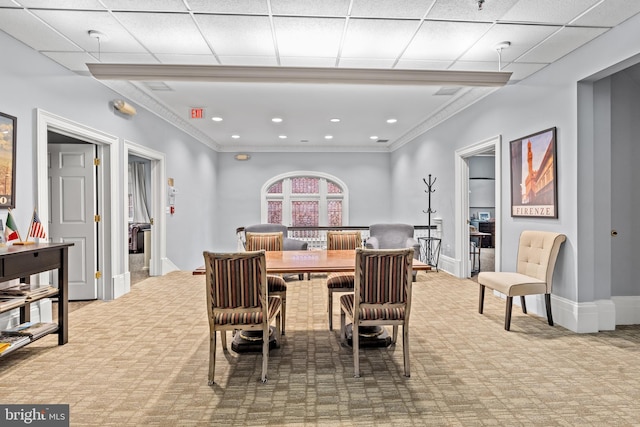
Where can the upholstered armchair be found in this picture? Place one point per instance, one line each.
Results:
(537, 254)
(393, 236)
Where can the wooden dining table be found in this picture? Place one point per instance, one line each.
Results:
(299, 262)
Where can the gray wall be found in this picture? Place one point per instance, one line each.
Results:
(366, 176)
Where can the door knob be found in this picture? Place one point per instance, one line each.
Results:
(614, 233)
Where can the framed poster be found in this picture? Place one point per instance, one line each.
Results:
(534, 180)
(7, 161)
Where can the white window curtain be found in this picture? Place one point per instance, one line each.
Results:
(137, 193)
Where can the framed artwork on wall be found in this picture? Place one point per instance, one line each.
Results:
(534, 179)
(7, 160)
(484, 216)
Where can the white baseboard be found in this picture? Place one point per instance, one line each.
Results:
(448, 264)
(121, 285)
(168, 266)
(627, 310)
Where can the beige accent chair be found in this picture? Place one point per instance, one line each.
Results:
(537, 254)
(382, 296)
(237, 298)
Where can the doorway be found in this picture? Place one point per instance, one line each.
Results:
(462, 204)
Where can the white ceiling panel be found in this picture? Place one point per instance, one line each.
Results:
(308, 36)
(165, 32)
(264, 61)
(467, 10)
(521, 37)
(444, 40)
(475, 65)
(61, 4)
(74, 61)
(610, 13)
(128, 58)
(295, 61)
(548, 11)
(173, 58)
(310, 7)
(377, 39)
(117, 38)
(390, 8)
(561, 43)
(29, 30)
(229, 6)
(365, 63)
(147, 5)
(238, 35)
(522, 70)
(419, 64)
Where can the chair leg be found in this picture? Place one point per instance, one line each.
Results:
(330, 308)
(212, 356)
(507, 316)
(405, 349)
(547, 303)
(395, 333)
(265, 351)
(523, 303)
(481, 300)
(343, 329)
(223, 339)
(356, 349)
(283, 310)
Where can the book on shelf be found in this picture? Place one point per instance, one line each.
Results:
(9, 343)
(31, 329)
(9, 302)
(26, 291)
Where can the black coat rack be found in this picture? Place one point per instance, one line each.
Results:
(432, 249)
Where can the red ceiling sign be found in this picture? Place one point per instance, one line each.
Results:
(197, 113)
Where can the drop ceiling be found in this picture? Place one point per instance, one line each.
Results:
(363, 34)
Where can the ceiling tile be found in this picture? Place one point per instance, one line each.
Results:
(308, 36)
(237, 35)
(62, 4)
(610, 13)
(521, 37)
(390, 8)
(365, 63)
(547, 11)
(467, 10)
(131, 58)
(147, 5)
(248, 60)
(310, 7)
(522, 70)
(377, 39)
(444, 40)
(419, 64)
(117, 38)
(475, 66)
(560, 44)
(173, 58)
(229, 6)
(165, 32)
(31, 31)
(294, 61)
(75, 61)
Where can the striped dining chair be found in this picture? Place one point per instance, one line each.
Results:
(273, 241)
(340, 282)
(237, 298)
(382, 296)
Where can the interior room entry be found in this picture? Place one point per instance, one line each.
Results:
(73, 213)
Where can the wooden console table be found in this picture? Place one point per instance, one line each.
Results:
(20, 262)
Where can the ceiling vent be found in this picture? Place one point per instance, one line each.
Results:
(158, 86)
(447, 91)
(382, 140)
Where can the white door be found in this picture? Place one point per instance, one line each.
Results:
(72, 195)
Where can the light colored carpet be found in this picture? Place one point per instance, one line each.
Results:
(142, 360)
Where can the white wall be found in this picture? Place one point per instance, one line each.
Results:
(238, 203)
(31, 81)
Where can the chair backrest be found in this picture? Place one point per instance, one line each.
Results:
(383, 276)
(391, 236)
(264, 241)
(343, 240)
(266, 228)
(537, 254)
(236, 281)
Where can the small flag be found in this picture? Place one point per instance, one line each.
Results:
(37, 230)
(11, 230)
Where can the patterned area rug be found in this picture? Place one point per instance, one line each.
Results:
(142, 360)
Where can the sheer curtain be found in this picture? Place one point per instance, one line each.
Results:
(138, 209)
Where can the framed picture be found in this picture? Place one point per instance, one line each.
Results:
(534, 180)
(7, 161)
(484, 216)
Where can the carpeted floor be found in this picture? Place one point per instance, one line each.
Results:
(142, 360)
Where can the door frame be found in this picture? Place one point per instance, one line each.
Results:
(462, 202)
(107, 147)
(158, 233)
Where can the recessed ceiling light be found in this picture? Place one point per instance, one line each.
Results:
(392, 120)
(304, 140)
(282, 136)
(242, 156)
(373, 137)
(216, 119)
(336, 120)
(328, 137)
(276, 120)
(235, 136)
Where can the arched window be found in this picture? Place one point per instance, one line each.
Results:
(305, 199)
